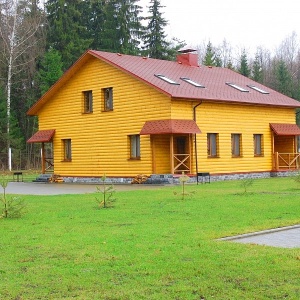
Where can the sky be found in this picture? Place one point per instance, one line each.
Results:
(244, 24)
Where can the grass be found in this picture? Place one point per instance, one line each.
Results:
(152, 245)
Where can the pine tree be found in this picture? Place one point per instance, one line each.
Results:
(210, 56)
(244, 68)
(155, 43)
(66, 33)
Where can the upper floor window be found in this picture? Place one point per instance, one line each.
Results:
(236, 143)
(87, 101)
(212, 145)
(258, 144)
(67, 149)
(135, 148)
(108, 99)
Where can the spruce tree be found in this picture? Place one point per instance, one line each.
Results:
(257, 73)
(210, 56)
(66, 33)
(283, 79)
(244, 68)
(129, 26)
(50, 70)
(155, 43)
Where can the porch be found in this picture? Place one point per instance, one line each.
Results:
(285, 144)
(171, 145)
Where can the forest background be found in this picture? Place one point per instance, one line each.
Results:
(40, 40)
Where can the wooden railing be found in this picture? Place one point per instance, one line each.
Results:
(182, 163)
(284, 161)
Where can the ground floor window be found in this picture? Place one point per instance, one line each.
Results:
(212, 145)
(67, 153)
(135, 149)
(236, 143)
(258, 144)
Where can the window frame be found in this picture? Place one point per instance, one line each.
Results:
(236, 143)
(87, 102)
(108, 103)
(67, 149)
(258, 144)
(212, 145)
(134, 147)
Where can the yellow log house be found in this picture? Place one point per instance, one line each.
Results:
(123, 115)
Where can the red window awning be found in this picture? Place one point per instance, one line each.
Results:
(170, 127)
(285, 129)
(42, 136)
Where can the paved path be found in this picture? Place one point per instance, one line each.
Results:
(285, 237)
(38, 188)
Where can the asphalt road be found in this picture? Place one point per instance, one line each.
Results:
(38, 188)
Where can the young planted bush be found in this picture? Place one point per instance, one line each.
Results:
(11, 206)
(107, 192)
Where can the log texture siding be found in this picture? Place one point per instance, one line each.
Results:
(100, 141)
(166, 119)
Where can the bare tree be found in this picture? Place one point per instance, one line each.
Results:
(19, 23)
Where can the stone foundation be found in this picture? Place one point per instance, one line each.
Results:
(174, 179)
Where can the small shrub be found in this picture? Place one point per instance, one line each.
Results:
(12, 207)
(183, 179)
(297, 177)
(107, 192)
(246, 183)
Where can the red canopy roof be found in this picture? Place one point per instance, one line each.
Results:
(42, 136)
(170, 126)
(285, 129)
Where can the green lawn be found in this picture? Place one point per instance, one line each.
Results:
(152, 245)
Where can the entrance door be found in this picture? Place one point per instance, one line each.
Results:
(181, 155)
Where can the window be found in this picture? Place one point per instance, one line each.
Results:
(236, 144)
(135, 150)
(258, 89)
(108, 99)
(163, 77)
(87, 101)
(235, 86)
(258, 144)
(212, 144)
(67, 150)
(190, 81)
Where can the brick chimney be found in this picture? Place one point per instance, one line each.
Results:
(187, 57)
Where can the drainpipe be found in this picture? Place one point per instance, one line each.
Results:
(196, 152)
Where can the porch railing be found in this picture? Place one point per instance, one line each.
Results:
(182, 163)
(284, 161)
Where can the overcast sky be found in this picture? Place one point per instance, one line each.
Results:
(242, 23)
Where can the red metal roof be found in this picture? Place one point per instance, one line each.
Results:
(170, 126)
(285, 129)
(213, 78)
(42, 136)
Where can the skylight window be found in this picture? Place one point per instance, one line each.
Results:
(163, 77)
(190, 81)
(258, 89)
(235, 86)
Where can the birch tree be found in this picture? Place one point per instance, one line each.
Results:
(18, 27)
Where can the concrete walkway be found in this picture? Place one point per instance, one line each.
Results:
(284, 237)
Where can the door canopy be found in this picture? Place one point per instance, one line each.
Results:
(170, 127)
